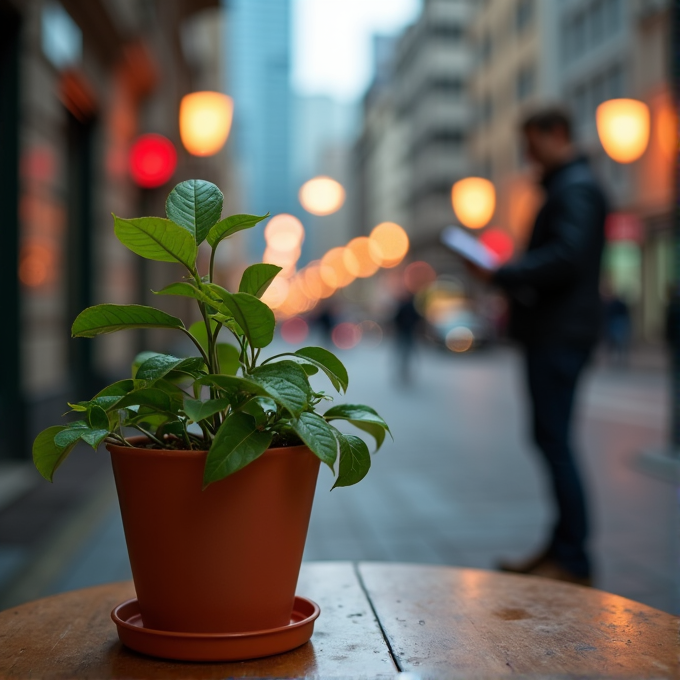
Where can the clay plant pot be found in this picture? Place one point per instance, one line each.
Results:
(221, 560)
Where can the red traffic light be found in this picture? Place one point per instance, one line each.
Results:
(153, 160)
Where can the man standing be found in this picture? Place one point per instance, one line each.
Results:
(555, 309)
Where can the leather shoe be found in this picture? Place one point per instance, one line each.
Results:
(525, 566)
(551, 569)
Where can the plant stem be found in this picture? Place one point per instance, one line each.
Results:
(212, 265)
(152, 437)
(198, 344)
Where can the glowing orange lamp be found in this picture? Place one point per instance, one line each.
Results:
(474, 201)
(623, 128)
(322, 196)
(205, 121)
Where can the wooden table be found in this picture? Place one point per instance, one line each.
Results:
(376, 619)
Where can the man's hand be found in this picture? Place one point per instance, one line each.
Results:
(481, 274)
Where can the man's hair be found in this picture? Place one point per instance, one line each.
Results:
(549, 119)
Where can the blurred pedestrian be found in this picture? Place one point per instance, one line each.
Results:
(555, 309)
(405, 323)
(325, 320)
(617, 327)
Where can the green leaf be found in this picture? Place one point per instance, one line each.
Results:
(157, 239)
(158, 366)
(47, 456)
(363, 417)
(257, 277)
(70, 434)
(200, 410)
(108, 318)
(228, 356)
(355, 460)
(230, 225)
(317, 434)
(233, 385)
(376, 431)
(195, 205)
(97, 418)
(186, 289)
(286, 383)
(139, 360)
(94, 437)
(253, 316)
(237, 443)
(152, 397)
(328, 363)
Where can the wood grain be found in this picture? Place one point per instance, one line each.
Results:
(71, 635)
(444, 622)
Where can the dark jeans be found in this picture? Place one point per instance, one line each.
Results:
(553, 372)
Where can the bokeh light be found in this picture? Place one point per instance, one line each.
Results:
(277, 292)
(499, 242)
(418, 275)
(205, 121)
(153, 160)
(314, 284)
(333, 270)
(36, 264)
(460, 339)
(346, 335)
(284, 232)
(474, 201)
(389, 244)
(358, 258)
(322, 196)
(295, 330)
(623, 128)
(666, 124)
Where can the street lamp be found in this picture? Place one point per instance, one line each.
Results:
(623, 128)
(474, 201)
(205, 121)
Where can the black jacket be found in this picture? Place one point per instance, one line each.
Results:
(554, 287)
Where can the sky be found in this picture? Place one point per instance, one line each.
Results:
(332, 52)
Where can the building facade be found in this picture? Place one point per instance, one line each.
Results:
(79, 81)
(259, 56)
(411, 149)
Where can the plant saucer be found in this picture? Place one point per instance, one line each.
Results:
(214, 646)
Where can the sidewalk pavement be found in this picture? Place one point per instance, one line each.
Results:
(458, 486)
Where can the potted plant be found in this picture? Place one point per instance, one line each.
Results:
(216, 489)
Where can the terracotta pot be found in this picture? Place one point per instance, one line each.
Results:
(222, 560)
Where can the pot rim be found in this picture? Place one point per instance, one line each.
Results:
(119, 448)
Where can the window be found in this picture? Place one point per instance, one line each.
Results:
(597, 22)
(523, 14)
(451, 32)
(486, 109)
(614, 82)
(447, 84)
(612, 16)
(525, 82)
(579, 37)
(485, 48)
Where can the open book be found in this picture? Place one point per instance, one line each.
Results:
(467, 246)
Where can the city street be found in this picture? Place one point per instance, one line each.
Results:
(459, 485)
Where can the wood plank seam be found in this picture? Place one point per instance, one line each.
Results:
(383, 632)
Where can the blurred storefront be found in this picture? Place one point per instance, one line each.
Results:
(80, 80)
